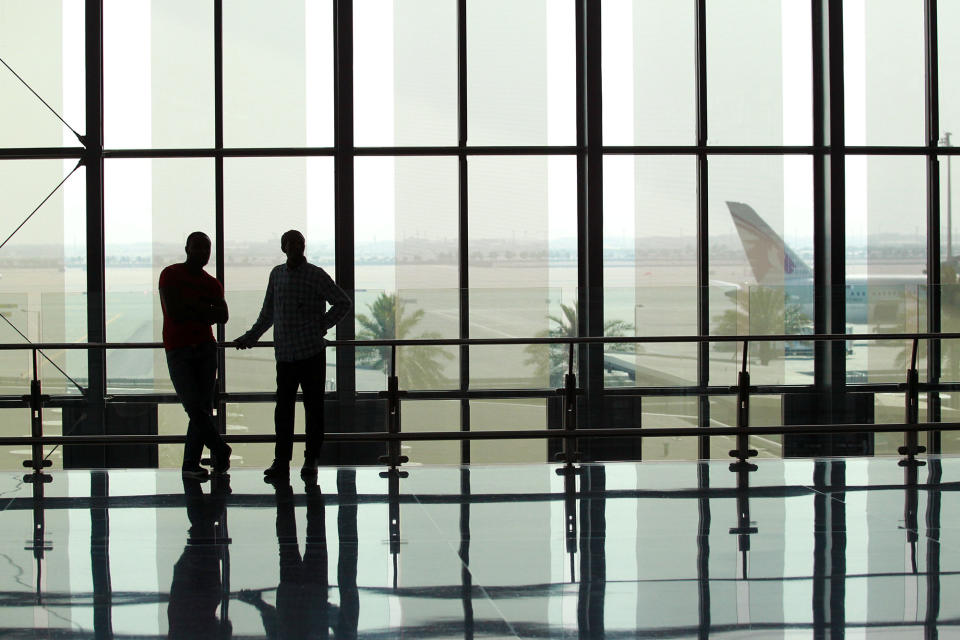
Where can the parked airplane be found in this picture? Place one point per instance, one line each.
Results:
(876, 300)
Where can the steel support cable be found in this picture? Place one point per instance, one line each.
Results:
(42, 202)
(52, 110)
(45, 356)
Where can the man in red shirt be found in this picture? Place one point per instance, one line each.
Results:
(192, 300)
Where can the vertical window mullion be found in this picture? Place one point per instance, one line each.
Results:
(934, 282)
(703, 244)
(218, 196)
(344, 153)
(463, 222)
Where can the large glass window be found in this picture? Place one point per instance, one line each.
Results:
(761, 257)
(521, 66)
(405, 72)
(883, 72)
(759, 78)
(278, 73)
(263, 198)
(511, 213)
(158, 73)
(406, 269)
(42, 43)
(150, 207)
(649, 79)
(886, 259)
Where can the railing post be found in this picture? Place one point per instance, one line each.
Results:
(394, 459)
(745, 527)
(35, 399)
(743, 450)
(393, 393)
(911, 401)
(570, 451)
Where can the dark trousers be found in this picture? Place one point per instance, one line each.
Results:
(308, 374)
(193, 371)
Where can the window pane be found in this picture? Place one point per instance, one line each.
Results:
(406, 268)
(158, 73)
(521, 239)
(650, 267)
(649, 80)
(948, 65)
(759, 74)
(761, 257)
(886, 259)
(263, 198)
(43, 43)
(278, 73)
(883, 70)
(150, 207)
(405, 72)
(521, 72)
(43, 268)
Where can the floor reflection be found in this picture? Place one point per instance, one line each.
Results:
(197, 590)
(815, 547)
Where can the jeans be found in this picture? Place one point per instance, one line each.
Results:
(193, 371)
(310, 375)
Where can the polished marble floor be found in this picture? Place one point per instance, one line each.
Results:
(798, 548)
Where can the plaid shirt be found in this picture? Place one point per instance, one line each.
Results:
(295, 304)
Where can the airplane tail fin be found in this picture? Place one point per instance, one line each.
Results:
(770, 258)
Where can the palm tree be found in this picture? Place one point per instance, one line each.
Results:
(417, 367)
(555, 356)
(768, 312)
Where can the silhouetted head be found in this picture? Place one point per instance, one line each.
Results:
(293, 244)
(198, 249)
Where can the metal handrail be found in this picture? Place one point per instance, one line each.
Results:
(412, 342)
(569, 432)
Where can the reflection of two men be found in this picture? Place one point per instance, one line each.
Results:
(302, 608)
(197, 588)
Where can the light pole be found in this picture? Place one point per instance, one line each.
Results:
(945, 141)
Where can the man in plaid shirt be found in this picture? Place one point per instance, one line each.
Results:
(295, 305)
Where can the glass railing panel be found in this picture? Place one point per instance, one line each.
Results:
(508, 414)
(670, 412)
(650, 311)
(519, 313)
(758, 310)
(409, 314)
(430, 415)
(765, 410)
(16, 422)
(63, 318)
(892, 307)
(15, 365)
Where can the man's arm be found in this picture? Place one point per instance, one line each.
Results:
(184, 309)
(264, 320)
(340, 302)
(187, 308)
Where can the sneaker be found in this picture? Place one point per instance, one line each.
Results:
(309, 468)
(221, 462)
(195, 473)
(278, 469)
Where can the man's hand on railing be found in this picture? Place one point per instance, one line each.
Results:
(244, 342)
